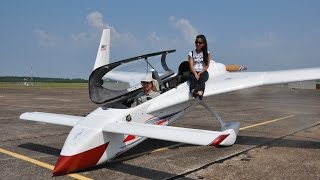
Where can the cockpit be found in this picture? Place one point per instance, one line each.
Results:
(113, 85)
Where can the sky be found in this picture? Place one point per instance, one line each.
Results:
(61, 38)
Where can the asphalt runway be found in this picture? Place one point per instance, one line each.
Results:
(279, 138)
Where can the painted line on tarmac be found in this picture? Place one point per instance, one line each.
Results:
(39, 163)
(179, 144)
(267, 122)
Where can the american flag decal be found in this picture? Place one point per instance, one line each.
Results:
(103, 47)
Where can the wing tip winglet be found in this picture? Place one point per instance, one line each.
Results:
(218, 140)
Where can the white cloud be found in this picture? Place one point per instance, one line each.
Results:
(95, 19)
(79, 36)
(128, 41)
(268, 39)
(189, 32)
(44, 39)
(153, 36)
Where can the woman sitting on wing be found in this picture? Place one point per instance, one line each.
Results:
(199, 61)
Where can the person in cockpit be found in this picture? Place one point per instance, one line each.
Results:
(150, 91)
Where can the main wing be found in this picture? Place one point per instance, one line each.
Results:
(240, 80)
(232, 81)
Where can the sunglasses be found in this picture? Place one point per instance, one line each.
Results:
(198, 42)
(145, 82)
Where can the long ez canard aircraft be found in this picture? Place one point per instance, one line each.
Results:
(115, 127)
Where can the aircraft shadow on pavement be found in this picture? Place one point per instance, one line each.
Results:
(141, 172)
(151, 144)
(278, 142)
(41, 148)
(148, 146)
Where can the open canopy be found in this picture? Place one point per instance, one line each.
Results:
(113, 82)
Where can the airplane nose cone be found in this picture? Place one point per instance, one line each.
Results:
(86, 159)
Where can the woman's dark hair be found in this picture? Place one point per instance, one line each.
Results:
(204, 48)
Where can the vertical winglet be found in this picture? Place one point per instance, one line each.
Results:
(103, 50)
(218, 140)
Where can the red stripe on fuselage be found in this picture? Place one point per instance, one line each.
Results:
(129, 138)
(161, 121)
(86, 159)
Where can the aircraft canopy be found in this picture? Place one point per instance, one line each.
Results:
(121, 80)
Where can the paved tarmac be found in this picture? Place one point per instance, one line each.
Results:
(279, 138)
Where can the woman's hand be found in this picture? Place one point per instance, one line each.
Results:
(197, 76)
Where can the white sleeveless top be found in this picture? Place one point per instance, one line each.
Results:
(198, 60)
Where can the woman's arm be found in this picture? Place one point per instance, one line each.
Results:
(208, 63)
(191, 61)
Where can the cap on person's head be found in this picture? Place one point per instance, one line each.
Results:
(147, 78)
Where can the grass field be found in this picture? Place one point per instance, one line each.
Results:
(42, 85)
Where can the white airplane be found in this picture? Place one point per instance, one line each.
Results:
(114, 127)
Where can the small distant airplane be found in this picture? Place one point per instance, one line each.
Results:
(115, 127)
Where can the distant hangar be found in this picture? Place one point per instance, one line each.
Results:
(305, 85)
